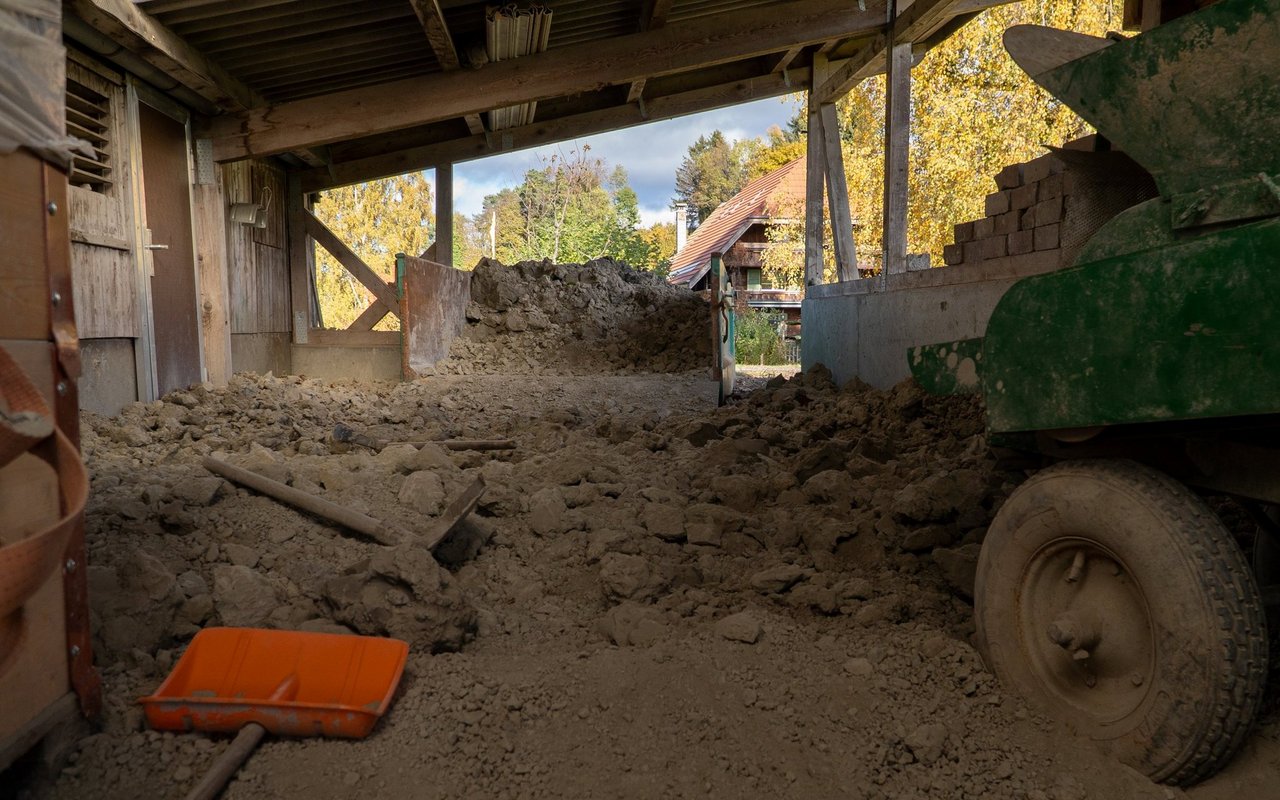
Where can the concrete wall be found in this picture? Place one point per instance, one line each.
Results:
(261, 353)
(862, 329)
(108, 376)
(338, 363)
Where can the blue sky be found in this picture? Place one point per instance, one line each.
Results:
(650, 153)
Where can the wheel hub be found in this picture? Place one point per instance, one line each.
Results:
(1086, 628)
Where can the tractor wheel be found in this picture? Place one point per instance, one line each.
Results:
(1111, 596)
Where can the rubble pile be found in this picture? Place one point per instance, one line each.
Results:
(766, 599)
(539, 317)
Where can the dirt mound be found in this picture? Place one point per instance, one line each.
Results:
(674, 600)
(538, 317)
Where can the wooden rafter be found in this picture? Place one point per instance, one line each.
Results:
(441, 41)
(564, 71)
(654, 14)
(140, 33)
(550, 131)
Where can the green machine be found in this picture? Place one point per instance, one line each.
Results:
(1108, 591)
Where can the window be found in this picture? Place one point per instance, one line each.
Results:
(756, 280)
(89, 118)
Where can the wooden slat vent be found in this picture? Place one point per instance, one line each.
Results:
(89, 118)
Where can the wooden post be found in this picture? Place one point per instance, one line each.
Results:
(814, 177)
(444, 214)
(896, 151)
(838, 196)
(300, 260)
(209, 213)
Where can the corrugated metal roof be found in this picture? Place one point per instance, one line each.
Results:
(757, 201)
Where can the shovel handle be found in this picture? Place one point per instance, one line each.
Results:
(228, 764)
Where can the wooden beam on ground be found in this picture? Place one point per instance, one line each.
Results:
(444, 214)
(549, 131)
(708, 41)
(838, 196)
(814, 178)
(438, 36)
(654, 14)
(301, 259)
(897, 142)
(140, 33)
(353, 263)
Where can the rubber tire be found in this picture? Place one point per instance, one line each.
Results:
(1211, 642)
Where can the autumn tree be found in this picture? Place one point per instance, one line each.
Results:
(712, 171)
(973, 112)
(660, 246)
(376, 220)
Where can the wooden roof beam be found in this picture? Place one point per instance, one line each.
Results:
(432, 18)
(549, 131)
(914, 25)
(140, 33)
(563, 71)
(654, 14)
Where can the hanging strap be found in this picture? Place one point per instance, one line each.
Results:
(26, 565)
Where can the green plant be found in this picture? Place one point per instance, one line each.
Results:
(758, 338)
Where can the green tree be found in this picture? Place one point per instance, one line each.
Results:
(712, 172)
(376, 220)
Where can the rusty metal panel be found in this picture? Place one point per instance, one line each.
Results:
(434, 305)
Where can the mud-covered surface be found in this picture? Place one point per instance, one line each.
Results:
(655, 599)
(539, 317)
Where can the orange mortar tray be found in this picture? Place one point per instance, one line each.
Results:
(227, 677)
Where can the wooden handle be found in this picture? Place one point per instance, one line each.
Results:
(228, 764)
(350, 518)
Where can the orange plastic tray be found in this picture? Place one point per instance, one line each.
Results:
(336, 685)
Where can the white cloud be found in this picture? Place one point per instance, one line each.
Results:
(650, 153)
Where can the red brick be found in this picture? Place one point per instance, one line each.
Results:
(1040, 168)
(1047, 237)
(1049, 211)
(995, 247)
(1008, 222)
(1021, 242)
(1010, 177)
(953, 254)
(964, 232)
(1049, 188)
(1023, 196)
(997, 203)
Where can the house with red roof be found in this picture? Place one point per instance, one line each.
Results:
(737, 229)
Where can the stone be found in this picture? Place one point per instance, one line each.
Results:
(398, 457)
(859, 667)
(243, 598)
(926, 742)
(240, 554)
(423, 491)
(663, 521)
(997, 203)
(629, 577)
(777, 579)
(432, 457)
(738, 492)
(833, 486)
(930, 536)
(547, 510)
(740, 627)
(198, 491)
(632, 624)
(959, 566)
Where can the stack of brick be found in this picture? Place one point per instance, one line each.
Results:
(1024, 216)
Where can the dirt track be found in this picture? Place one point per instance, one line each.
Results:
(655, 598)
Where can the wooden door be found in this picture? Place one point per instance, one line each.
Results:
(174, 304)
(722, 328)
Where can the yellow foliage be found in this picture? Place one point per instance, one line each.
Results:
(377, 220)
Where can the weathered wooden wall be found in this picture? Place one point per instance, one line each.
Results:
(258, 267)
(103, 265)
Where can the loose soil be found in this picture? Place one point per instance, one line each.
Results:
(655, 598)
